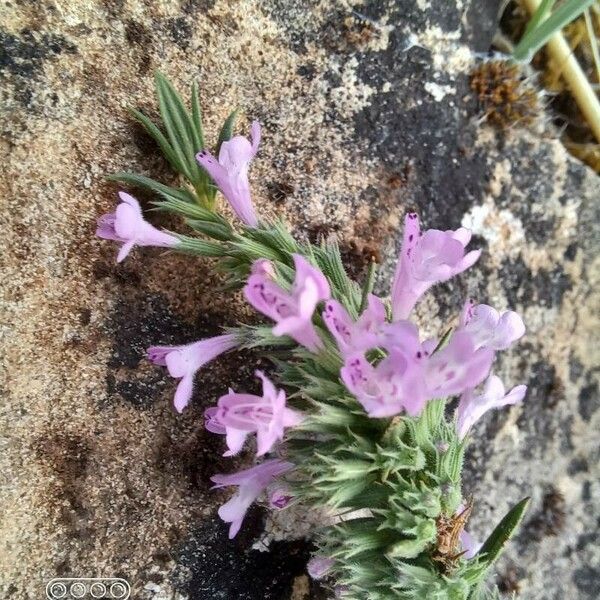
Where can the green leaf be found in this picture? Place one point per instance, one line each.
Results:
(161, 140)
(329, 260)
(278, 239)
(425, 533)
(538, 36)
(252, 250)
(346, 491)
(188, 209)
(216, 231)
(227, 130)
(256, 336)
(170, 193)
(495, 543)
(179, 127)
(197, 115)
(199, 247)
(444, 340)
(368, 285)
(542, 11)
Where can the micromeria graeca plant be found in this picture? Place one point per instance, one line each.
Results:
(359, 428)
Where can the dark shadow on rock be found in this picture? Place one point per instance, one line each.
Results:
(212, 567)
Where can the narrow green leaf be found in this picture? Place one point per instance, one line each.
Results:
(216, 231)
(227, 130)
(542, 11)
(180, 139)
(537, 37)
(255, 336)
(411, 548)
(344, 493)
(189, 209)
(252, 250)
(444, 340)
(197, 115)
(165, 191)
(158, 135)
(283, 239)
(183, 119)
(368, 285)
(493, 546)
(199, 247)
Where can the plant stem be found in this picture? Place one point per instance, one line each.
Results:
(577, 82)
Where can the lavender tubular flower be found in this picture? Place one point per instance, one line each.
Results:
(490, 328)
(319, 566)
(127, 225)
(230, 172)
(351, 336)
(292, 311)
(426, 259)
(280, 498)
(458, 366)
(472, 407)
(409, 375)
(394, 386)
(469, 544)
(238, 415)
(251, 483)
(183, 362)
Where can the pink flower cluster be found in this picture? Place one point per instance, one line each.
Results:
(386, 366)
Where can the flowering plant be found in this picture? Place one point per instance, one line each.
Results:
(359, 422)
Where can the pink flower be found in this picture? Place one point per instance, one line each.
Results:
(183, 362)
(230, 172)
(397, 383)
(319, 566)
(426, 259)
(292, 311)
(352, 336)
(469, 544)
(280, 498)
(471, 407)
(410, 375)
(127, 225)
(237, 415)
(489, 328)
(458, 366)
(252, 482)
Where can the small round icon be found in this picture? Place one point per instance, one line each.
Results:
(58, 590)
(118, 590)
(97, 590)
(78, 590)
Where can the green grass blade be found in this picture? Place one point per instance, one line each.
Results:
(537, 37)
(542, 11)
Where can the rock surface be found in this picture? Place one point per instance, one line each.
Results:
(367, 113)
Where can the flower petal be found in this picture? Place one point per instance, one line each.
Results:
(183, 394)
